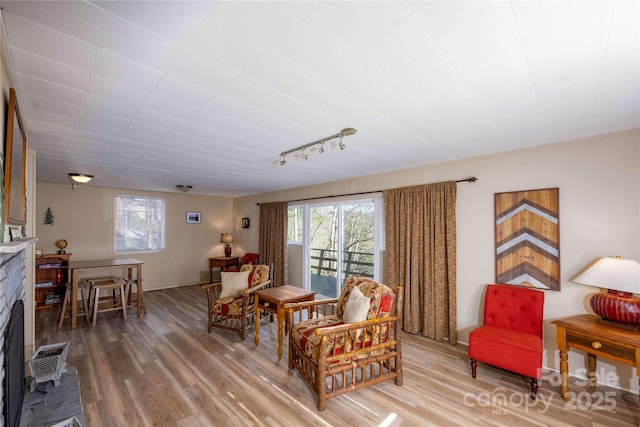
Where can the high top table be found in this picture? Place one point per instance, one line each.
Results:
(126, 264)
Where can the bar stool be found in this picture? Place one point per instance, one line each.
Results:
(65, 308)
(119, 290)
(139, 301)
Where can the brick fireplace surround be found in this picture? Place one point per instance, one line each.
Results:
(12, 289)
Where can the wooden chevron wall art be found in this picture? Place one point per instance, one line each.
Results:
(527, 238)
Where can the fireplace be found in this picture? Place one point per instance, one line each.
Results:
(12, 330)
(13, 384)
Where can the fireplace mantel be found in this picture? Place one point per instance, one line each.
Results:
(17, 246)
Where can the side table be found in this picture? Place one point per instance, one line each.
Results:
(273, 301)
(221, 262)
(583, 332)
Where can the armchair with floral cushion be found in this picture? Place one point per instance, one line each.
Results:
(344, 344)
(230, 301)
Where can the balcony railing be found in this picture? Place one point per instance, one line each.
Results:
(324, 268)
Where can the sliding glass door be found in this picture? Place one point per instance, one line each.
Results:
(339, 239)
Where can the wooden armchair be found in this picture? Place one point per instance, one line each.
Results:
(334, 351)
(235, 311)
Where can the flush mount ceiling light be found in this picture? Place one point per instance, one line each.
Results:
(303, 153)
(80, 178)
(184, 188)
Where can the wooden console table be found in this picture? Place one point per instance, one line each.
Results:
(273, 300)
(221, 262)
(584, 333)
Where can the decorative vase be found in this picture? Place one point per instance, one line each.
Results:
(616, 306)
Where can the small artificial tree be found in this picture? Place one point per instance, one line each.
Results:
(48, 217)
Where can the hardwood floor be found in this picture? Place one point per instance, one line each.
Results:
(164, 369)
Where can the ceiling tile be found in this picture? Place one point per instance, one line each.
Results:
(46, 69)
(175, 21)
(77, 19)
(140, 45)
(126, 71)
(48, 43)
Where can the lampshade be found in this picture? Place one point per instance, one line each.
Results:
(226, 237)
(80, 178)
(612, 273)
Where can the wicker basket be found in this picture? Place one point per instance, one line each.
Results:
(48, 363)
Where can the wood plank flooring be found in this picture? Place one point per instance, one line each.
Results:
(164, 369)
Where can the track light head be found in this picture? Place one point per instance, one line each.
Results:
(283, 160)
(341, 144)
(321, 149)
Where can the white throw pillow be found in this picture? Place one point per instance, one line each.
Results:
(233, 283)
(356, 309)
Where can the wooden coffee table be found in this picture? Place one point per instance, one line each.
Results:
(273, 300)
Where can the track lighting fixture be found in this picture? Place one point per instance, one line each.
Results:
(301, 151)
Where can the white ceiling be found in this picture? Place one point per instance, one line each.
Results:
(147, 95)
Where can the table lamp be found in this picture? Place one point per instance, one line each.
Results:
(226, 238)
(621, 277)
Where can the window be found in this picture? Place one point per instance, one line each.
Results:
(139, 224)
(294, 232)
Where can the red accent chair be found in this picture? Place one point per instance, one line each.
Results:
(248, 258)
(511, 336)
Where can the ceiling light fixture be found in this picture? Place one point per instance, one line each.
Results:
(80, 178)
(184, 188)
(301, 150)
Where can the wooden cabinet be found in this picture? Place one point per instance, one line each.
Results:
(52, 275)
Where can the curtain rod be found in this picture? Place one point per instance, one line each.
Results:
(472, 179)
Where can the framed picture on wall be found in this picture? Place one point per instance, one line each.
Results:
(245, 222)
(527, 238)
(193, 217)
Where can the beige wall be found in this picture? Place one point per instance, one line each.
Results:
(85, 218)
(29, 324)
(599, 181)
